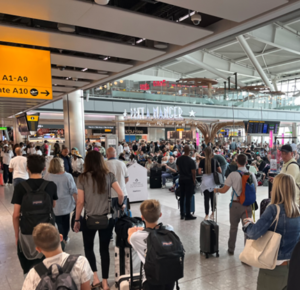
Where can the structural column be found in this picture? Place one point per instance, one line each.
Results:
(18, 138)
(294, 131)
(74, 121)
(120, 128)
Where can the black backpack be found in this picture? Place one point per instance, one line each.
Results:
(60, 281)
(164, 257)
(36, 208)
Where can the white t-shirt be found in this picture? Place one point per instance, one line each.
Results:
(7, 156)
(120, 149)
(119, 169)
(77, 165)
(31, 150)
(81, 272)
(234, 180)
(19, 165)
(138, 241)
(294, 147)
(39, 152)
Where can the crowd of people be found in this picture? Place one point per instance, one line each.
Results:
(94, 189)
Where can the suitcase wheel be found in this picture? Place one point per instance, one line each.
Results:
(206, 255)
(217, 255)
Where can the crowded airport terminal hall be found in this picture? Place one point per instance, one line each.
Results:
(150, 145)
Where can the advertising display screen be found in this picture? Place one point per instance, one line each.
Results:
(22, 124)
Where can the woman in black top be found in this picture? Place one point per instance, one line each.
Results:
(208, 166)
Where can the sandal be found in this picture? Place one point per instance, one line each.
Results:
(97, 286)
(101, 286)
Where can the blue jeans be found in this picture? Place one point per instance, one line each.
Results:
(114, 205)
(18, 180)
(164, 176)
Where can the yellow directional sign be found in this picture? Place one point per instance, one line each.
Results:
(25, 73)
(32, 118)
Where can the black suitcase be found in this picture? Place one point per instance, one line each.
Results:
(155, 171)
(263, 205)
(209, 237)
(155, 181)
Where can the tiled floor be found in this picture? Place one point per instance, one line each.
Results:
(225, 272)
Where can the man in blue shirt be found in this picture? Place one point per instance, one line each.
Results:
(67, 160)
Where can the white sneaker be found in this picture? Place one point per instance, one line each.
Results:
(163, 186)
(6, 184)
(206, 218)
(212, 216)
(68, 240)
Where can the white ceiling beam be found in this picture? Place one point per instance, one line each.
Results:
(274, 36)
(76, 74)
(69, 83)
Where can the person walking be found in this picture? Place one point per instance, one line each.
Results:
(283, 195)
(6, 155)
(207, 167)
(187, 180)
(237, 211)
(94, 192)
(18, 166)
(64, 155)
(77, 163)
(67, 195)
(119, 169)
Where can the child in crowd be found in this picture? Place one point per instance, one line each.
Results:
(151, 212)
(48, 242)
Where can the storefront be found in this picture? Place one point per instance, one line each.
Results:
(136, 133)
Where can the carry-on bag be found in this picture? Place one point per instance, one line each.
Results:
(209, 236)
(263, 205)
(155, 181)
(177, 196)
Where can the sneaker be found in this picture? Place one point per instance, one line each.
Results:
(6, 184)
(206, 218)
(182, 217)
(163, 186)
(68, 240)
(190, 217)
(212, 216)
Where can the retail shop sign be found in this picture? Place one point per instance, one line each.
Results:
(25, 73)
(158, 113)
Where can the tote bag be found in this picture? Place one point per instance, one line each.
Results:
(218, 177)
(263, 252)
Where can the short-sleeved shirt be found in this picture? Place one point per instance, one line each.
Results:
(220, 159)
(95, 203)
(19, 166)
(6, 157)
(81, 271)
(185, 164)
(119, 169)
(46, 149)
(213, 163)
(173, 166)
(234, 180)
(66, 187)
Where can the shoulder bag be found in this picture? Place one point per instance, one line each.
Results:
(98, 222)
(263, 252)
(218, 177)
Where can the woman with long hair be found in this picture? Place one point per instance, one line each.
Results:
(208, 166)
(94, 195)
(283, 195)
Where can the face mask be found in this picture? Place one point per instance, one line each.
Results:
(164, 162)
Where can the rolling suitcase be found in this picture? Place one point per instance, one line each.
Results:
(155, 181)
(209, 237)
(131, 281)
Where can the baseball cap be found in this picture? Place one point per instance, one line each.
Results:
(286, 148)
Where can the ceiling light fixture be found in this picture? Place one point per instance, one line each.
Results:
(85, 69)
(121, 81)
(106, 58)
(141, 40)
(102, 2)
(65, 27)
(186, 16)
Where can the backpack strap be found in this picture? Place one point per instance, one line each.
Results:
(69, 264)
(41, 269)
(43, 185)
(26, 186)
(290, 164)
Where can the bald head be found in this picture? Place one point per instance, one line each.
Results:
(186, 149)
(111, 152)
(18, 151)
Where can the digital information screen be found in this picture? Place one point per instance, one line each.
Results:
(261, 127)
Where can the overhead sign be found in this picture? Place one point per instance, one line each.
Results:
(25, 73)
(33, 122)
(158, 113)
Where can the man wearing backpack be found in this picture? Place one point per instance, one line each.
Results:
(238, 212)
(30, 196)
(76, 271)
(165, 257)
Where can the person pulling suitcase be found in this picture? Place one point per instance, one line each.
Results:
(239, 210)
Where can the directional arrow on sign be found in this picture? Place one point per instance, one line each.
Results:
(46, 93)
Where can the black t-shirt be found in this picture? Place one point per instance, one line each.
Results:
(134, 147)
(213, 162)
(20, 191)
(185, 164)
(162, 147)
(144, 149)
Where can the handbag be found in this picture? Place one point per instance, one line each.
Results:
(263, 252)
(218, 177)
